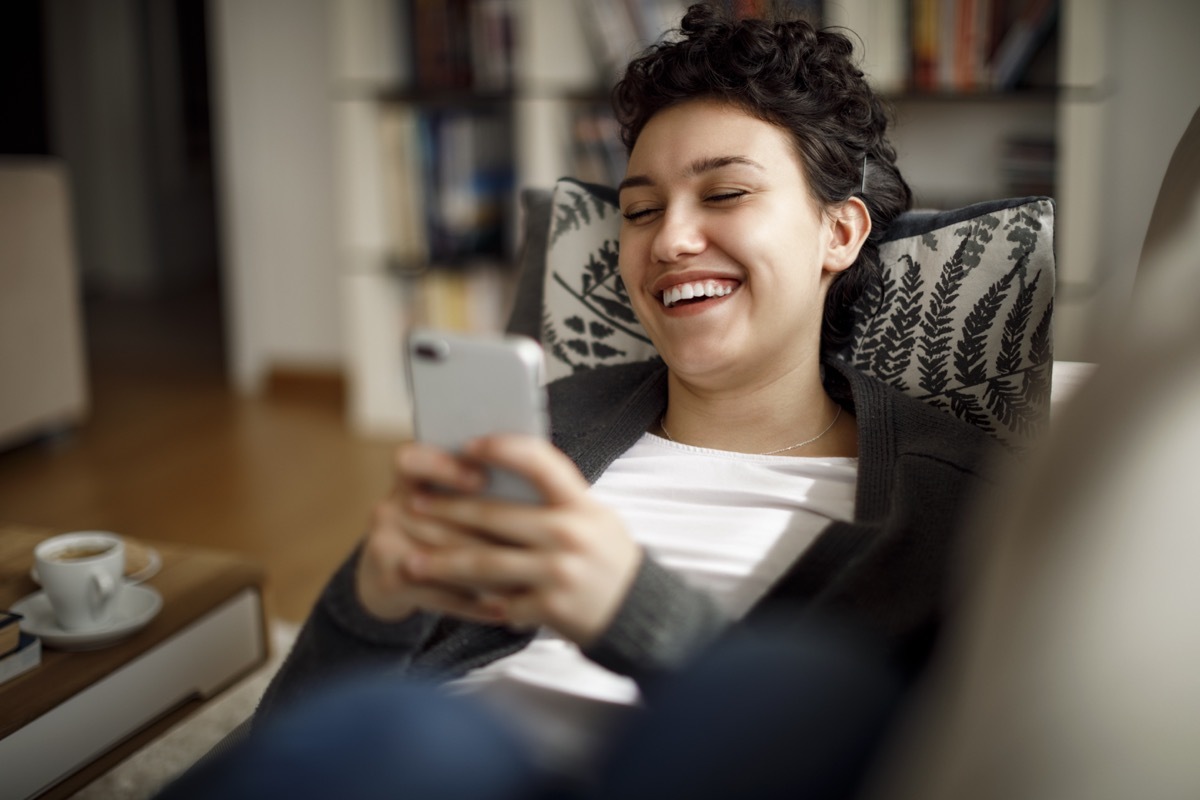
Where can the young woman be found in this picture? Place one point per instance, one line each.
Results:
(743, 475)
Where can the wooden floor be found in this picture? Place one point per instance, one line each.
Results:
(170, 452)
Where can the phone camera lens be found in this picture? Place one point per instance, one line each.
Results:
(432, 351)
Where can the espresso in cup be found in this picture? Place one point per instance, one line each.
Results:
(83, 575)
(81, 551)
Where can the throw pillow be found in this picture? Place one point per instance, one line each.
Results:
(961, 317)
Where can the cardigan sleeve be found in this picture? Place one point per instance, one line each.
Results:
(339, 635)
(661, 623)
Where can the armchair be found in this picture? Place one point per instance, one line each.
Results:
(1073, 669)
(960, 318)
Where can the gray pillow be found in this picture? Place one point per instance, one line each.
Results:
(960, 319)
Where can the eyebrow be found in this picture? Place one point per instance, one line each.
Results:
(697, 167)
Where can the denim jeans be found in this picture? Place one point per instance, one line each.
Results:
(758, 715)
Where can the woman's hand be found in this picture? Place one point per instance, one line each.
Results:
(383, 587)
(566, 563)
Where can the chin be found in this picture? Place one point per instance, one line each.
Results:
(698, 361)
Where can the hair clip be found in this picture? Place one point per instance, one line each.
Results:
(863, 188)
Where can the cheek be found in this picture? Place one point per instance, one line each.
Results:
(782, 244)
(631, 275)
(626, 272)
(754, 230)
(631, 260)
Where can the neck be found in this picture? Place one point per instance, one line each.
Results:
(754, 418)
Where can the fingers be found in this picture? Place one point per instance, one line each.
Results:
(554, 476)
(379, 580)
(439, 531)
(385, 586)
(422, 465)
(550, 471)
(442, 520)
(517, 588)
(565, 562)
(480, 568)
(577, 594)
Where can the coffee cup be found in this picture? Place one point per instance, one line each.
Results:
(83, 574)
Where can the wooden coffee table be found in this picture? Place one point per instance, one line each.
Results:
(78, 714)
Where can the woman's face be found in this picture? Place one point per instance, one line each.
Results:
(725, 254)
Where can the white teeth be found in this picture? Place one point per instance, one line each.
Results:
(689, 291)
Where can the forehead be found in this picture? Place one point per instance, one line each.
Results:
(706, 128)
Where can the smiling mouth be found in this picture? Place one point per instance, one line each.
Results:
(696, 292)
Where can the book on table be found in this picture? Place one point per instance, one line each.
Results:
(10, 631)
(27, 656)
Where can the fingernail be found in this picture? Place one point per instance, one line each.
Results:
(414, 565)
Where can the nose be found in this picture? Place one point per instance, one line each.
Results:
(679, 234)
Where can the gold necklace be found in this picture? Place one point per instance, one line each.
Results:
(662, 423)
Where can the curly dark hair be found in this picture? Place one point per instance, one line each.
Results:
(787, 72)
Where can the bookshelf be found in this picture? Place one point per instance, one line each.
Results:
(960, 140)
(978, 77)
(424, 102)
(513, 89)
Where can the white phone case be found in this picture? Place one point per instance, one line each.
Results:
(470, 385)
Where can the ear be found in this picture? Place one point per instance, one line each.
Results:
(850, 224)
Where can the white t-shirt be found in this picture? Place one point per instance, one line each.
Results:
(729, 523)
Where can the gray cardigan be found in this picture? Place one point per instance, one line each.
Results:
(884, 572)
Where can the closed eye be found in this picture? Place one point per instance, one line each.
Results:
(641, 213)
(725, 197)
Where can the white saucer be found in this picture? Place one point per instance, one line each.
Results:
(153, 565)
(136, 606)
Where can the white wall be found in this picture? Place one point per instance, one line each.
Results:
(271, 68)
(1155, 79)
(1140, 61)
(950, 150)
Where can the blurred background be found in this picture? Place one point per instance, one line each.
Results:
(232, 209)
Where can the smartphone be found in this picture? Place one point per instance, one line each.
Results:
(469, 385)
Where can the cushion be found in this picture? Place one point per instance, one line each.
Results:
(960, 319)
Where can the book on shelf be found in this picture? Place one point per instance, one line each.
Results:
(26, 656)
(810, 9)
(473, 298)
(491, 44)
(457, 44)
(1022, 39)
(966, 44)
(469, 179)
(974, 45)
(403, 186)
(446, 138)
(447, 182)
(952, 43)
(598, 155)
(10, 631)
